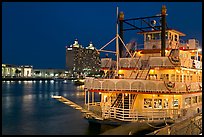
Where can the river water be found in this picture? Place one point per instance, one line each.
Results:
(28, 109)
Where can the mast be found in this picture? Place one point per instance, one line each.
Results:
(117, 46)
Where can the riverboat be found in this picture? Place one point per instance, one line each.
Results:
(152, 84)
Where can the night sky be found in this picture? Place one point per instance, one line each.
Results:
(36, 33)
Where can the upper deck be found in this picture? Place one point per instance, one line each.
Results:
(141, 86)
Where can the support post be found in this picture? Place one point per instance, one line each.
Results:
(88, 100)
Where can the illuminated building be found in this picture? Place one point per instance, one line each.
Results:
(9, 70)
(82, 60)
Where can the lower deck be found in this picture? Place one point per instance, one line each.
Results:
(131, 107)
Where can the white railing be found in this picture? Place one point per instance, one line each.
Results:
(160, 61)
(153, 62)
(107, 112)
(129, 63)
(140, 85)
(134, 115)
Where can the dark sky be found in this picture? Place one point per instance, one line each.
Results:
(36, 33)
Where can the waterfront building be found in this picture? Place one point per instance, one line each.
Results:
(82, 61)
(26, 71)
(10, 70)
(50, 73)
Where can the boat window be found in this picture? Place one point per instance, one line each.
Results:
(200, 99)
(199, 78)
(192, 57)
(154, 47)
(152, 76)
(184, 78)
(194, 99)
(187, 101)
(147, 103)
(187, 78)
(191, 77)
(148, 37)
(157, 36)
(166, 35)
(157, 103)
(165, 103)
(167, 76)
(177, 78)
(164, 76)
(180, 78)
(175, 38)
(169, 35)
(173, 77)
(175, 103)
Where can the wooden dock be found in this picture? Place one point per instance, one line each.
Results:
(86, 112)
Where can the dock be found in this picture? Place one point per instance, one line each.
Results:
(68, 102)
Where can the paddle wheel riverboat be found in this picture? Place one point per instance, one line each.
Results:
(161, 82)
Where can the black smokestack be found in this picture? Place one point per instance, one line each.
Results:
(163, 31)
(121, 18)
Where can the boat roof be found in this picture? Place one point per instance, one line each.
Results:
(178, 32)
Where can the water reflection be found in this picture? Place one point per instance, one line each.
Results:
(27, 108)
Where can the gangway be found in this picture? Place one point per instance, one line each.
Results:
(76, 106)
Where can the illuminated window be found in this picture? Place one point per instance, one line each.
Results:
(173, 77)
(165, 103)
(147, 103)
(187, 101)
(187, 78)
(157, 103)
(184, 78)
(191, 78)
(175, 103)
(194, 99)
(167, 76)
(200, 99)
(180, 78)
(148, 37)
(177, 78)
(175, 38)
(170, 35)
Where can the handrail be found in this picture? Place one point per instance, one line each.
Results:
(135, 66)
(146, 63)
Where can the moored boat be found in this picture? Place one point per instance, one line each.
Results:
(161, 82)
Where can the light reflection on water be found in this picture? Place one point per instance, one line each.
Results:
(27, 108)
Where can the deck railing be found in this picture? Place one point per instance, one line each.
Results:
(134, 115)
(141, 85)
(153, 62)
